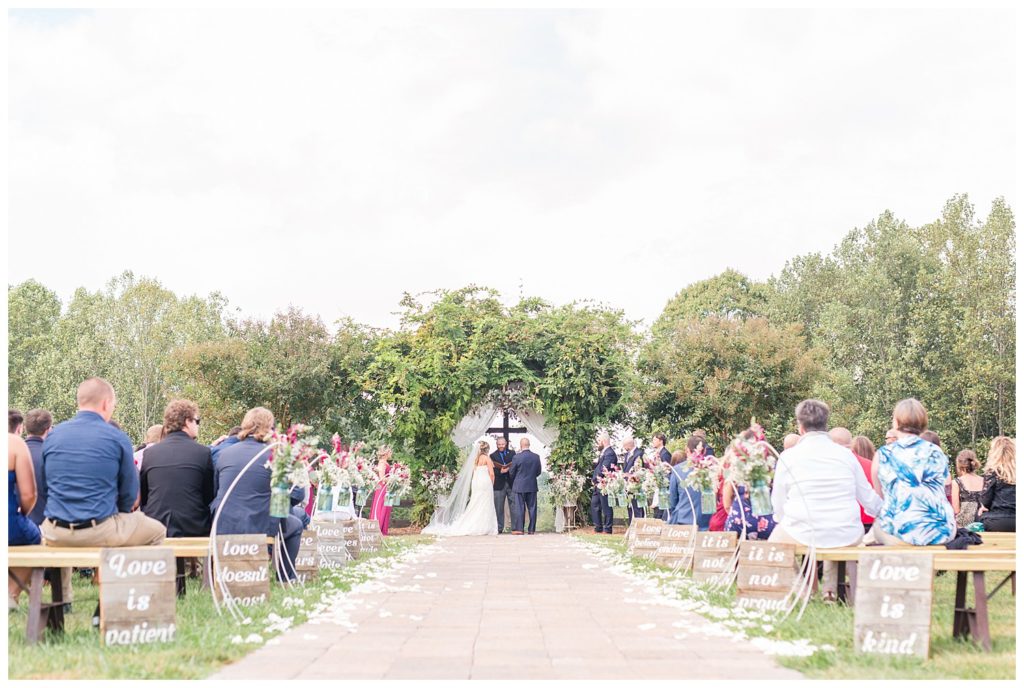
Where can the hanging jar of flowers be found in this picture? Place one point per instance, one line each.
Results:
(752, 463)
(703, 476)
(397, 483)
(289, 466)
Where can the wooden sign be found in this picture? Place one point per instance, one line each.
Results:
(713, 555)
(242, 566)
(350, 534)
(370, 539)
(137, 595)
(892, 613)
(332, 543)
(765, 575)
(307, 561)
(675, 546)
(647, 533)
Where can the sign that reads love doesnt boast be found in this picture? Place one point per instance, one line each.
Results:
(243, 568)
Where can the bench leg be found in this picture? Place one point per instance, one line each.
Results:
(961, 614)
(55, 612)
(852, 592)
(34, 628)
(179, 578)
(980, 630)
(842, 592)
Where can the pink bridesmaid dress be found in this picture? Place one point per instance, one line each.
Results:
(379, 512)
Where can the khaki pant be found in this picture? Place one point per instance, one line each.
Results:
(830, 569)
(120, 530)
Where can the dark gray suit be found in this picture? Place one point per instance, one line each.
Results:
(600, 510)
(525, 469)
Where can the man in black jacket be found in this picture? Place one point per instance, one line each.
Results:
(176, 485)
(600, 509)
(502, 460)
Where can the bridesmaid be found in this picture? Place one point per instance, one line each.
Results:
(379, 512)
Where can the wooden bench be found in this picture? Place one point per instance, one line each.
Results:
(997, 553)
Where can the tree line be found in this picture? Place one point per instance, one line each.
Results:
(892, 311)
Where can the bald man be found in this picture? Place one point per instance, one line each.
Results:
(790, 440)
(90, 481)
(841, 436)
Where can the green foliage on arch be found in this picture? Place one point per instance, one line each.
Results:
(573, 362)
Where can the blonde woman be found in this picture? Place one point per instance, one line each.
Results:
(1000, 496)
(378, 511)
(477, 515)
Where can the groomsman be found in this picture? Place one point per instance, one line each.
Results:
(658, 442)
(502, 460)
(632, 453)
(600, 510)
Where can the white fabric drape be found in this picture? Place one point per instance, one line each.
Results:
(464, 436)
(535, 424)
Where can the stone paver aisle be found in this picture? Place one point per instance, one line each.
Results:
(504, 607)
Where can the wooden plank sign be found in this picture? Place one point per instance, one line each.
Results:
(350, 533)
(243, 567)
(713, 555)
(332, 543)
(765, 575)
(370, 539)
(308, 559)
(675, 546)
(647, 537)
(892, 613)
(137, 595)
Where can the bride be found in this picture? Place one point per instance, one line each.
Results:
(469, 509)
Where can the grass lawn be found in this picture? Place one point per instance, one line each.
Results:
(833, 625)
(203, 638)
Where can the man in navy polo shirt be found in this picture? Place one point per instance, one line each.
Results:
(90, 483)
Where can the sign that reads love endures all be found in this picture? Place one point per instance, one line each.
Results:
(892, 612)
(765, 575)
(675, 546)
(243, 569)
(713, 555)
(646, 538)
(137, 595)
(332, 543)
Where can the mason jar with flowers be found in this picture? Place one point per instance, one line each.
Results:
(752, 464)
(703, 476)
(612, 484)
(290, 457)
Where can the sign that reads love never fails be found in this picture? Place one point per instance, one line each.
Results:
(243, 566)
(892, 613)
(332, 543)
(765, 575)
(137, 595)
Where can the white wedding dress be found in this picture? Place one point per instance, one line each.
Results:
(479, 518)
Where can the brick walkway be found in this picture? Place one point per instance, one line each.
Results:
(505, 607)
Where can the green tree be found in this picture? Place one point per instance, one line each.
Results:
(32, 313)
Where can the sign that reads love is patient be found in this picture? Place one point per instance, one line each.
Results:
(137, 595)
(892, 613)
(647, 534)
(713, 555)
(765, 575)
(243, 568)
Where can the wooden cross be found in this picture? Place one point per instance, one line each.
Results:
(505, 430)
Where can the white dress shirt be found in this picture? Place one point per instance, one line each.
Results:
(818, 486)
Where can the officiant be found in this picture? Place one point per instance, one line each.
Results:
(502, 460)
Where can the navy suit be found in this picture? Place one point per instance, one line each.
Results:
(631, 459)
(247, 510)
(523, 473)
(35, 449)
(600, 510)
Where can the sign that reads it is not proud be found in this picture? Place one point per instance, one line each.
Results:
(647, 536)
(370, 539)
(892, 614)
(765, 575)
(243, 568)
(137, 595)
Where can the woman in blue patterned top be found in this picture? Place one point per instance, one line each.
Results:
(910, 475)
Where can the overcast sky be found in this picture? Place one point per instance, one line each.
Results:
(333, 160)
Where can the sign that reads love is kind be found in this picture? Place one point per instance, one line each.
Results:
(646, 537)
(713, 556)
(675, 546)
(332, 543)
(765, 575)
(892, 614)
(243, 568)
(137, 595)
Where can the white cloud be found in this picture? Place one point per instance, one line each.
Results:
(336, 159)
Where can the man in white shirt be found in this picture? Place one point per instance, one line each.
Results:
(818, 488)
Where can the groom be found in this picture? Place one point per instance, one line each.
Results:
(523, 473)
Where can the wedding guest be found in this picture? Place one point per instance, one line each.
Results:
(89, 479)
(910, 474)
(177, 477)
(863, 449)
(790, 440)
(632, 454)
(21, 497)
(223, 442)
(37, 424)
(708, 449)
(684, 501)
(658, 442)
(841, 436)
(247, 510)
(501, 459)
(153, 435)
(890, 436)
(817, 488)
(600, 510)
(15, 422)
(1000, 496)
(968, 488)
(378, 511)
(736, 501)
